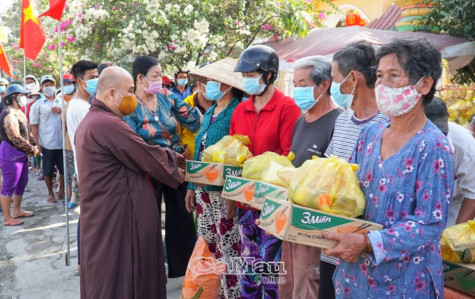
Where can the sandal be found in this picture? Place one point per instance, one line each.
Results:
(60, 195)
(14, 222)
(51, 199)
(24, 215)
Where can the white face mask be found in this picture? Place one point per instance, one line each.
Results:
(22, 101)
(49, 91)
(30, 86)
(397, 101)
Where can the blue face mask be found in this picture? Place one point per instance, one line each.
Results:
(303, 97)
(3, 88)
(252, 86)
(69, 89)
(343, 100)
(91, 87)
(213, 92)
(182, 82)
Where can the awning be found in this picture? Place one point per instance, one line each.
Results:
(326, 41)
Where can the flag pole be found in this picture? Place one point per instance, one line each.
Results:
(24, 66)
(63, 121)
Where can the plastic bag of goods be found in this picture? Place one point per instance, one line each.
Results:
(229, 150)
(285, 174)
(202, 278)
(458, 242)
(329, 185)
(264, 167)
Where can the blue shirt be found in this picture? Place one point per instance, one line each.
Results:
(180, 95)
(50, 134)
(409, 194)
(160, 127)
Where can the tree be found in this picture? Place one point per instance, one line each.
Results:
(180, 33)
(453, 17)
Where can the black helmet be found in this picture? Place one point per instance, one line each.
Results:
(258, 57)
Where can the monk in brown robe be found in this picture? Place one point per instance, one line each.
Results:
(121, 241)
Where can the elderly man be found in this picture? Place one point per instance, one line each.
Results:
(121, 242)
(311, 136)
(352, 87)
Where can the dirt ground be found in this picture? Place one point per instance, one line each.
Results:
(32, 256)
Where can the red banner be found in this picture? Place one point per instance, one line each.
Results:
(4, 65)
(32, 36)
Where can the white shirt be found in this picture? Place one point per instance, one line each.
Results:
(463, 151)
(50, 132)
(77, 109)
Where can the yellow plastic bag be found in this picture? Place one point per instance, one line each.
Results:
(285, 174)
(229, 150)
(328, 184)
(202, 278)
(264, 167)
(456, 239)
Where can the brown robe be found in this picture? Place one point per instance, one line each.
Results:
(121, 240)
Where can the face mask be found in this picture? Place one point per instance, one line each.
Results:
(69, 89)
(49, 91)
(127, 104)
(3, 88)
(252, 86)
(343, 100)
(182, 82)
(304, 97)
(153, 86)
(213, 92)
(397, 101)
(30, 86)
(91, 87)
(22, 101)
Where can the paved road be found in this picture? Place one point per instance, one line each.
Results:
(32, 256)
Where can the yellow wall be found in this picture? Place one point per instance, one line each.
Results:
(371, 8)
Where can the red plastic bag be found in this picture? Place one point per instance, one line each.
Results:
(202, 278)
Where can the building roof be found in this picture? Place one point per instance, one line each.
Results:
(388, 20)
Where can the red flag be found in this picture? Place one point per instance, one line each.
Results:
(55, 9)
(4, 65)
(32, 35)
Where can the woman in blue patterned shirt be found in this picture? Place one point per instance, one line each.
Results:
(156, 119)
(406, 174)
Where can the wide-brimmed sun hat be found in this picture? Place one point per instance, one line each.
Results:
(221, 71)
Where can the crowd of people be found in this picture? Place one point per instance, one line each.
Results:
(129, 134)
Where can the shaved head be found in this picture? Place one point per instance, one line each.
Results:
(111, 77)
(114, 83)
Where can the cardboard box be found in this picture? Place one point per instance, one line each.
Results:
(210, 173)
(303, 225)
(251, 192)
(460, 277)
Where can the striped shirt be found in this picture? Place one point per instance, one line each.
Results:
(345, 135)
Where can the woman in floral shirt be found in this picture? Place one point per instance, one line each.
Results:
(406, 174)
(156, 119)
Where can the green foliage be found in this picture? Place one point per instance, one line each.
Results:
(180, 33)
(456, 18)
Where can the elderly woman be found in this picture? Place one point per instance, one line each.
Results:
(218, 227)
(406, 174)
(156, 120)
(17, 145)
